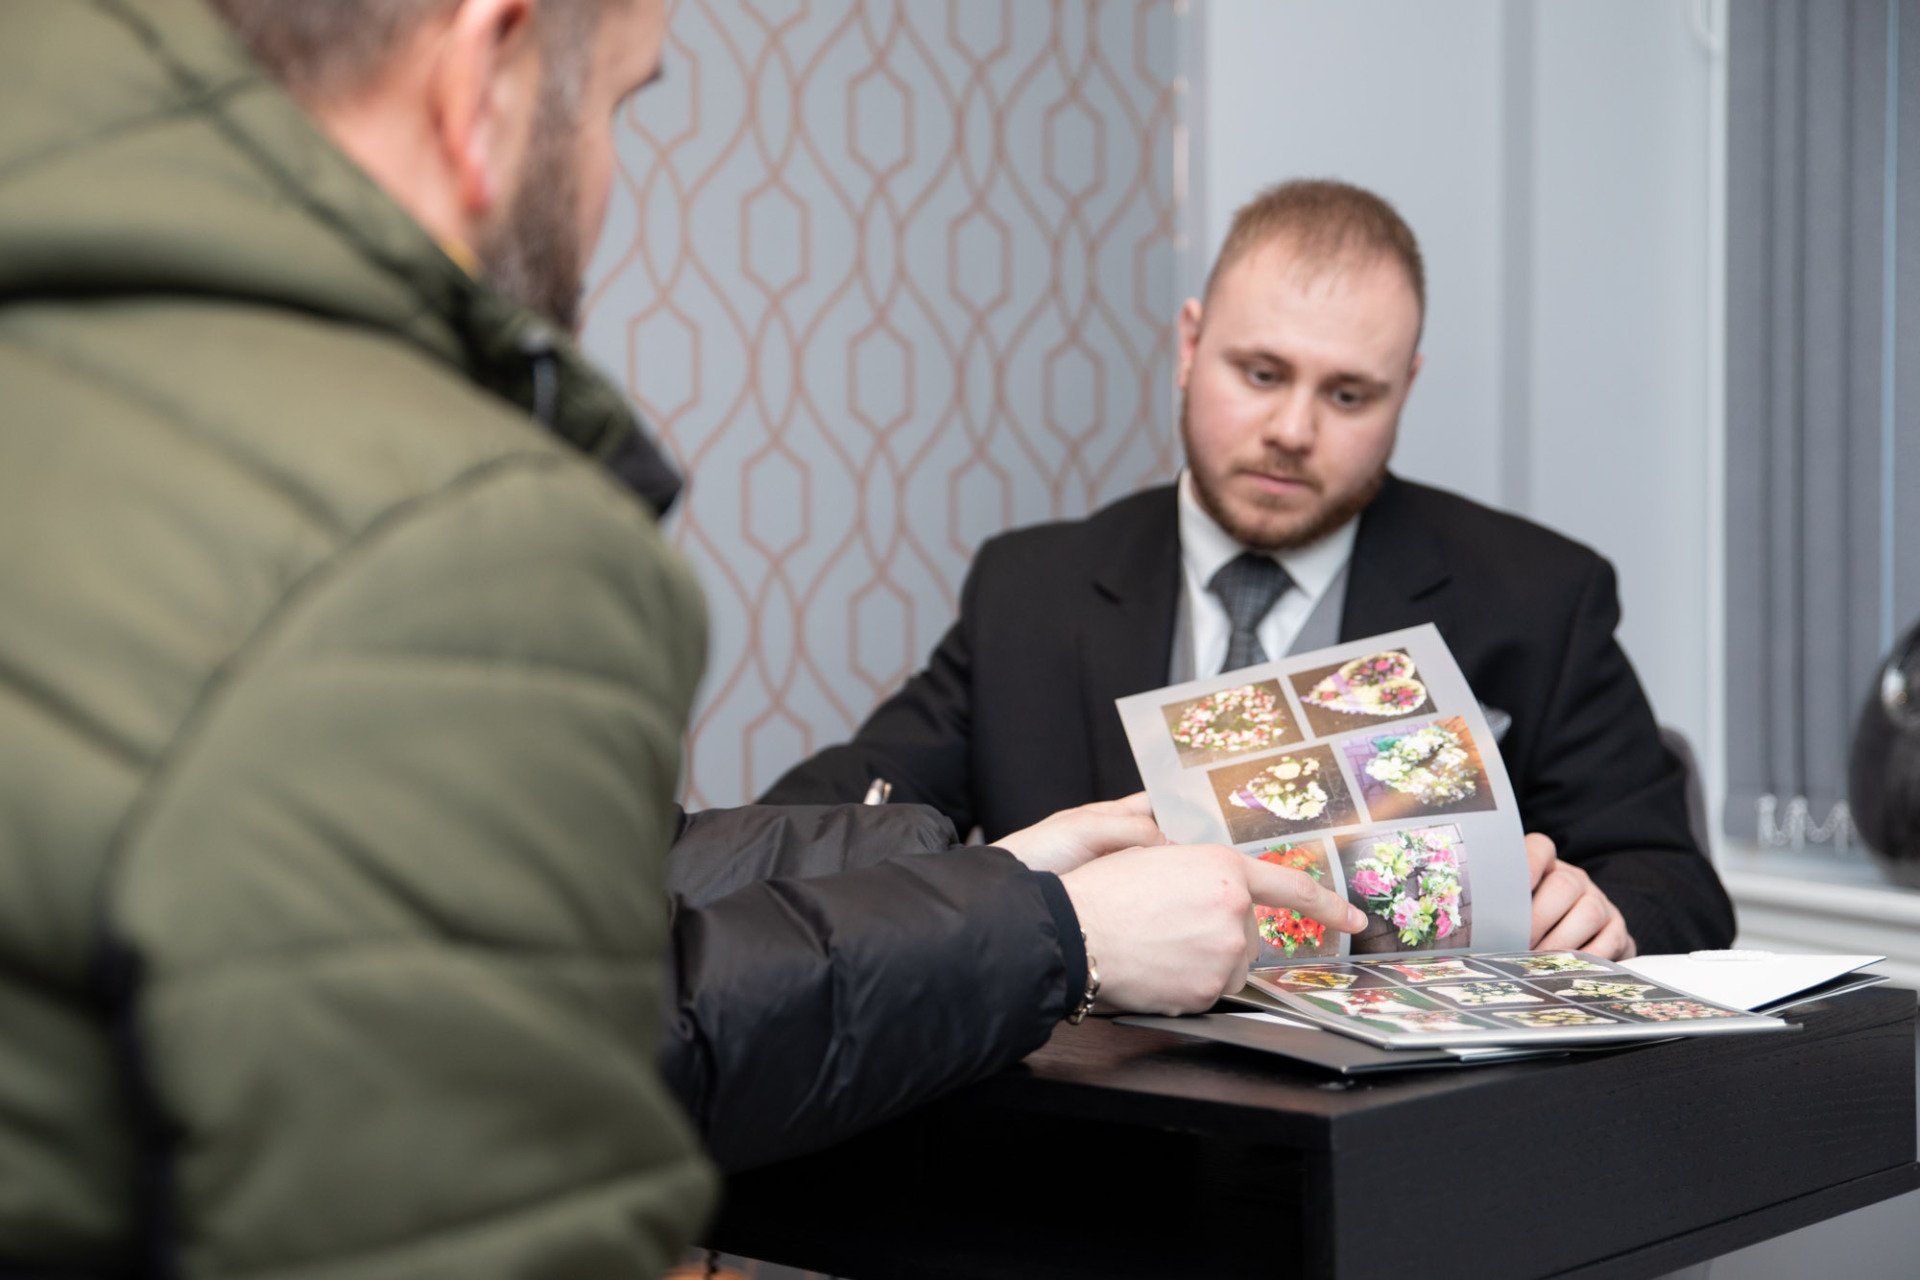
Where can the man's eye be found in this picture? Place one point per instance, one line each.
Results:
(1348, 398)
(1260, 376)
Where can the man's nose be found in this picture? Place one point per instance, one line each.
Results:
(1293, 425)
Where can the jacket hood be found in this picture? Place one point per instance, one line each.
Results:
(144, 154)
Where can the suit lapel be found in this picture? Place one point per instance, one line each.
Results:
(1126, 643)
(1396, 569)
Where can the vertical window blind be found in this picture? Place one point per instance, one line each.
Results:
(1823, 380)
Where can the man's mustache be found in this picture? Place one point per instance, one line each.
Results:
(1293, 474)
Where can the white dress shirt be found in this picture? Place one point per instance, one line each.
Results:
(1205, 547)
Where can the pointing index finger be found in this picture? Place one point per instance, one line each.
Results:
(1273, 886)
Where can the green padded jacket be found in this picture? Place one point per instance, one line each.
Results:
(342, 686)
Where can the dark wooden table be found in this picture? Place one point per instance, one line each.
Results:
(1118, 1151)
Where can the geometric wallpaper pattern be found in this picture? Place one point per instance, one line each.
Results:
(886, 278)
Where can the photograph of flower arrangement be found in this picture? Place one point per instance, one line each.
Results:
(1285, 934)
(1366, 691)
(1420, 771)
(1668, 1010)
(1443, 1021)
(1564, 1015)
(1382, 1000)
(1284, 795)
(1431, 970)
(1413, 886)
(1233, 722)
(1397, 1009)
(1618, 988)
(1474, 995)
(1319, 977)
(1546, 964)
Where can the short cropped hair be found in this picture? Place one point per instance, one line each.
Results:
(325, 50)
(1323, 219)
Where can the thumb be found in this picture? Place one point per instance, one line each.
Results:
(1273, 886)
(1136, 804)
(1540, 859)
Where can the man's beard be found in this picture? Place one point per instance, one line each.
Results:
(532, 252)
(1313, 526)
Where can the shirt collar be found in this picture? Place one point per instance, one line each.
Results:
(1205, 547)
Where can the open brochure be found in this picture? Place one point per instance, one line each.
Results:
(1499, 998)
(1370, 767)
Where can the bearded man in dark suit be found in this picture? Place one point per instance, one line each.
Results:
(1287, 532)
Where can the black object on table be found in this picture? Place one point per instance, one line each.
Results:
(1118, 1151)
(1883, 773)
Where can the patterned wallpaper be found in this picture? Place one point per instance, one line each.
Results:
(887, 278)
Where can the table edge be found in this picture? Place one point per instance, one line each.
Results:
(1754, 1227)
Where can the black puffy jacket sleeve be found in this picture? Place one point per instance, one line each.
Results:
(835, 966)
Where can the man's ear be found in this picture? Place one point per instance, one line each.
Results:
(483, 91)
(1190, 315)
(1413, 370)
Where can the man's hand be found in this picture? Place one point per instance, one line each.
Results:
(1075, 837)
(1569, 911)
(1171, 929)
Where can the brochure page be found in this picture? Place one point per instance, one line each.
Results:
(1367, 766)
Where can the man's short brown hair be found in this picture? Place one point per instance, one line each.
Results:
(1326, 221)
(324, 50)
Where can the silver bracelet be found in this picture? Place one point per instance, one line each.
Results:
(1085, 1007)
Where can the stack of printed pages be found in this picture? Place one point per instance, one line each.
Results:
(1370, 768)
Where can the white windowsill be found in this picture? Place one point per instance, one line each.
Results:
(1830, 903)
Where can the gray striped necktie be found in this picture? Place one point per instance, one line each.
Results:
(1248, 585)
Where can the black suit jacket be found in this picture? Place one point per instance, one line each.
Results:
(1013, 717)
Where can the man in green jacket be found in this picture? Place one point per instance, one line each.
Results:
(342, 679)
(340, 702)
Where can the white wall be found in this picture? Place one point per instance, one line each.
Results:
(1618, 360)
(1317, 90)
(1553, 160)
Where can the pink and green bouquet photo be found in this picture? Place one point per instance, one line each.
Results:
(1414, 881)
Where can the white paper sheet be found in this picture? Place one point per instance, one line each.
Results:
(1744, 979)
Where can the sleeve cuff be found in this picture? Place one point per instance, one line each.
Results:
(1073, 948)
